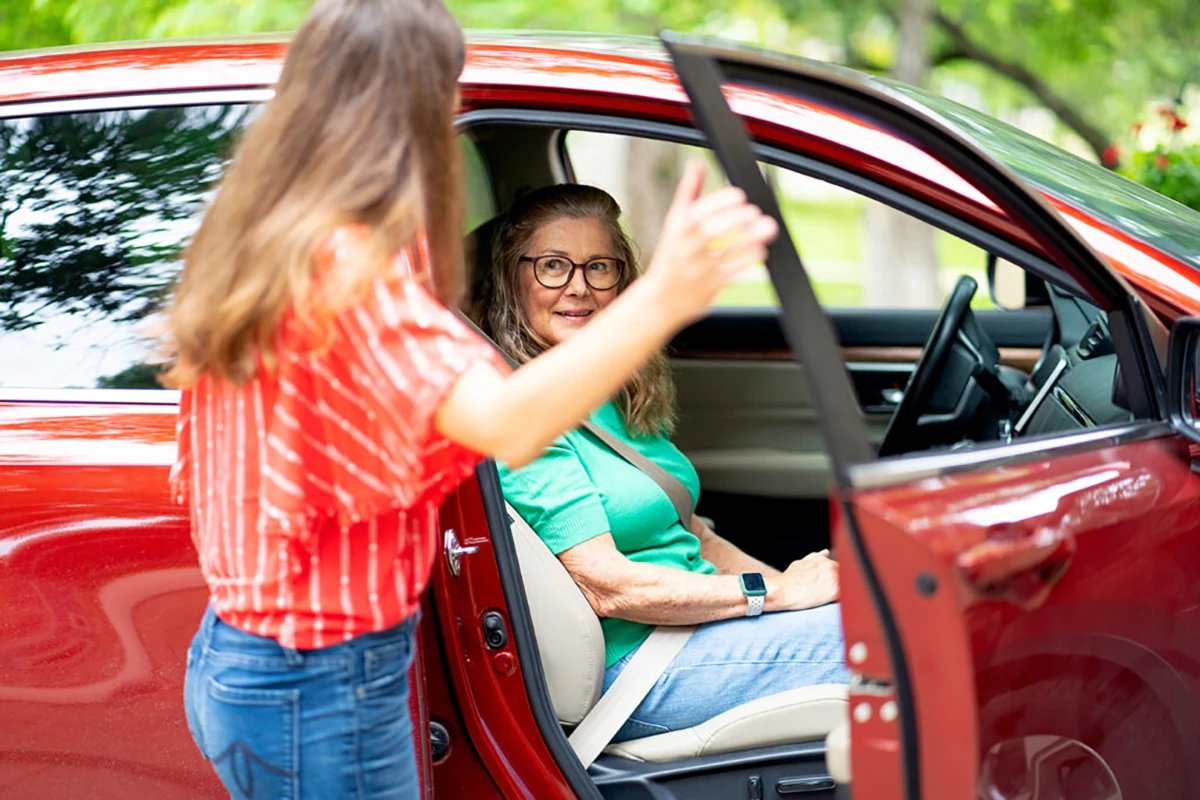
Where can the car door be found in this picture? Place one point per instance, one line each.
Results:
(1017, 616)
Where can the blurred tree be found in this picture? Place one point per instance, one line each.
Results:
(91, 204)
(902, 261)
(95, 211)
(1092, 63)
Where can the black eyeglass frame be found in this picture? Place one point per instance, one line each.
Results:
(571, 273)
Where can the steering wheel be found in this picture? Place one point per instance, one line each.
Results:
(902, 431)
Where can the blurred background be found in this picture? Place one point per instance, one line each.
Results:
(1112, 81)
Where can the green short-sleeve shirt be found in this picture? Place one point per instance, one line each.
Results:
(580, 489)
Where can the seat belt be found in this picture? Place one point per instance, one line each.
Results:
(678, 494)
(600, 725)
(658, 650)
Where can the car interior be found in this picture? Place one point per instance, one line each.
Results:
(962, 376)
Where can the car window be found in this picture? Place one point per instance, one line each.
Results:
(94, 213)
(841, 235)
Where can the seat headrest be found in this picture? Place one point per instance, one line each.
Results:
(477, 249)
(569, 639)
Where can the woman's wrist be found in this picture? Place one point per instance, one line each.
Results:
(658, 303)
(774, 601)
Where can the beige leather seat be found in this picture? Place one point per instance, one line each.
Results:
(572, 652)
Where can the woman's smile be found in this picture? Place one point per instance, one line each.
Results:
(576, 316)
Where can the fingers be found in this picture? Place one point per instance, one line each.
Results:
(739, 222)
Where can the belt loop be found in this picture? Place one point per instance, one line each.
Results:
(294, 658)
(207, 623)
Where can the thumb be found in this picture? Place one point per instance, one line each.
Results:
(690, 185)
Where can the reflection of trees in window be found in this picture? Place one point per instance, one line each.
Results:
(94, 211)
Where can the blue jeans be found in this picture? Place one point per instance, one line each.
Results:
(725, 664)
(288, 724)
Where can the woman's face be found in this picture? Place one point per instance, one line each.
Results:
(556, 314)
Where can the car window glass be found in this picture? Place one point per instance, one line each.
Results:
(839, 233)
(95, 211)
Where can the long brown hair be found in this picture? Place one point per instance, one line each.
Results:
(360, 130)
(647, 402)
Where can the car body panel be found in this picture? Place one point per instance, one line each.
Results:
(1059, 559)
(101, 596)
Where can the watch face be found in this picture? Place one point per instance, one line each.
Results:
(753, 583)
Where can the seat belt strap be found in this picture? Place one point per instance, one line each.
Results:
(680, 497)
(615, 706)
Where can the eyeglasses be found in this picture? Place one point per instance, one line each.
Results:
(555, 272)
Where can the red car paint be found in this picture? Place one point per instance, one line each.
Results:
(101, 593)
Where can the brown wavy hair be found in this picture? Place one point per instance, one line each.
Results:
(647, 402)
(360, 130)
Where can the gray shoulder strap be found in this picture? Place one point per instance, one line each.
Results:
(680, 497)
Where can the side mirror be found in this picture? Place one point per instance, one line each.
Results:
(1183, 363)
(1013, 288)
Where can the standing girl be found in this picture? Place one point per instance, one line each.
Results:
(331, 400)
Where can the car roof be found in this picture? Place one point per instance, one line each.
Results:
(1152, 240)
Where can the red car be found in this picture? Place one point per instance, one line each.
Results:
(1014, 503)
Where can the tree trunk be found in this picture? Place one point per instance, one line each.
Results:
(902, 267)
(652, 170)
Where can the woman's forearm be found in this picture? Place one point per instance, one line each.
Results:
(495, 415)
(658, 595)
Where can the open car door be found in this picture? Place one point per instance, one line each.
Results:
(1017, 614)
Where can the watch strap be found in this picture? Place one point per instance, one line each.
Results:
(754, 604)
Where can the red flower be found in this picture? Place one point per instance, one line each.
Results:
(1176, 122)
(1111, 155)
(1161, 161)
(1136, 128)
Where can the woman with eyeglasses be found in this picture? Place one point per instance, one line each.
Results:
(331, 399)
(560, 259)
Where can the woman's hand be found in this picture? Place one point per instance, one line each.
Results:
(812, 581)
(705, 242)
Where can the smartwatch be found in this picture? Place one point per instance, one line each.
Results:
(755, 589)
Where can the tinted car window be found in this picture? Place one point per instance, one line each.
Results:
(94, 212)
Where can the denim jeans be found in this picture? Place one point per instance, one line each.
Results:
(287, 724)
(725, 664)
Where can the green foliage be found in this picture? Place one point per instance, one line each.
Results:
(1172, 172)
(49, 23)
(138, 376)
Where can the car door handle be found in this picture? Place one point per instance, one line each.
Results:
(454, 551)
(1015, 565)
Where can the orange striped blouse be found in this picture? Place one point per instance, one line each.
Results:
(313, 490)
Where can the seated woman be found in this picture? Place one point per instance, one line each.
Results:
(560, 258)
